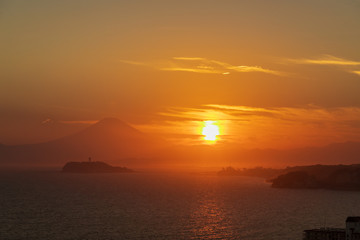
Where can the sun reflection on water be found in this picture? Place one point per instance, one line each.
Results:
(209, 220)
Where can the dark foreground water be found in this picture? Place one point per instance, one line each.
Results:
(162, 206)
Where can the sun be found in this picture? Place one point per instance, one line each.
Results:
(210, 130)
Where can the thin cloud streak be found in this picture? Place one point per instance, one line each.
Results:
(195, 70)
(203, 65)
(326, 60)
(190, 58)
(134, 63)
(230, 112)
(356, 72)
(308, 113)
(330, 60)
(47, 121)
(238, 108)
(213, 66)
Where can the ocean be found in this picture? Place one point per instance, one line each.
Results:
(55, 205)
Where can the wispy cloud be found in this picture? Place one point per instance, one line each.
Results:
(240, 108)
(47, 121)
(356, 72)
(134, 63)
(195, 70)
(344, 64)
(189, 58)
(202, 65)
(308, 113)
(326, 60)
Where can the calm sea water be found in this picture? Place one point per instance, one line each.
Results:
(51, 205)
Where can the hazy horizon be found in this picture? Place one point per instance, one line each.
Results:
(115, 142)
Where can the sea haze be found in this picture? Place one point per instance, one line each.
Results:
(54, 205)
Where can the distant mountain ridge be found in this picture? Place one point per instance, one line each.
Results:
(335, 153)
(107, 139)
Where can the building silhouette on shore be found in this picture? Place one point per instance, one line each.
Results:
(351, 232)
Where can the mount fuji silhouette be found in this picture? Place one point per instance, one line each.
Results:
(108, 140)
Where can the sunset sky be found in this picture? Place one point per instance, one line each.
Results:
(271, 74)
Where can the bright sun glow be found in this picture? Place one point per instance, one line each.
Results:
(210, 130)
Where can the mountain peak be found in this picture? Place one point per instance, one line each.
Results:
(111, 121)
(113, 125)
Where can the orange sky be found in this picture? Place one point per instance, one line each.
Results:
(277, 74)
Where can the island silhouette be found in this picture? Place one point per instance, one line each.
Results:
(93, 167)
(336, 177)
